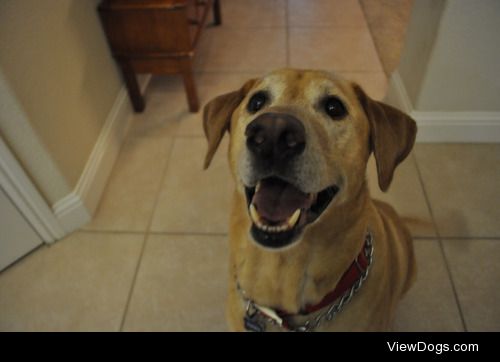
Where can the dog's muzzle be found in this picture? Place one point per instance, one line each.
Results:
(279, 210)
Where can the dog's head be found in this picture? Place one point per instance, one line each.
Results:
(300, 141)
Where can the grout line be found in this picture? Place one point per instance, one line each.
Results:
(266, 70)
(252, 27)
(333, 27)
(362, 71)
(450, 276)
(253, 72)
(188, 136)
(416, 237)
(441, 246)
(424, 238)
(146, 236)
(162, 179)
(108, 231)
(134, 279)
(471, 237)
(220, 71)
(203, 233)
(426, 196)
(196, 233)
(309, 26)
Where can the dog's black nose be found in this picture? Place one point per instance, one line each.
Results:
(275, 137)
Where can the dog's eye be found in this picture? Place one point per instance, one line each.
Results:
(334, 108)
(257, 101)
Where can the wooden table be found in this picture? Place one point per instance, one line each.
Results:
(158, 37)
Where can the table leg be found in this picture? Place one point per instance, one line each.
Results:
(132, 85)
(189, 85)
(217, 14)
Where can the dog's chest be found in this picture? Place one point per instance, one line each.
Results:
(285, 281)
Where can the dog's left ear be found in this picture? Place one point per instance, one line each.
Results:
(392, 135)
(217, 117)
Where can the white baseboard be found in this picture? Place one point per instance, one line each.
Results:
(439, 126)
(71, 212)
(77, 208)
(470, 127)
(26, 197)
(14, 181)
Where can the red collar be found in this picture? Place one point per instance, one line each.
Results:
(257, 315)
(350, 276)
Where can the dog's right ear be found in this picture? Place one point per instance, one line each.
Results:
(217, 117)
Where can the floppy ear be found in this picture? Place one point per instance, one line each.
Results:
(217, 117)
(392, 135)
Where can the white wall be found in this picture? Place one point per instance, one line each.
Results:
(449, 76)
(463, 73)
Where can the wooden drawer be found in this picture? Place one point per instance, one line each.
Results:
(152, 28)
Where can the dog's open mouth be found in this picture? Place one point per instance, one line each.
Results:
(279, 211)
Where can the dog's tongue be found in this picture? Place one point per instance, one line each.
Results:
(277, 200)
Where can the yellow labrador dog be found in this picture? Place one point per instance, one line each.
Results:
(309, 249)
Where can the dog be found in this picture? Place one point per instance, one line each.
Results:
(309, 249)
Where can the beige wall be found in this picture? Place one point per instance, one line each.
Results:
(54, 57)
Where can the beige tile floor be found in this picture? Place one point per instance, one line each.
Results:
(155, 255)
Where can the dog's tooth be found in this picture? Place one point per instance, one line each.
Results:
(293, 219)
(254, 214)
(257, 187)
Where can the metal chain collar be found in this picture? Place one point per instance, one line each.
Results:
(256, 315)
